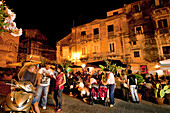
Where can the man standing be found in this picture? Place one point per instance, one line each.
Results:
(29, 76)
(44, 75)
(132, 82)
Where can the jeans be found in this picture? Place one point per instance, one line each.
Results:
(134, 93)
(58, 93)
(42, 90)
(111, 93)
(33, 99)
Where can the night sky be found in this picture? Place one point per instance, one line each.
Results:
(54, 18)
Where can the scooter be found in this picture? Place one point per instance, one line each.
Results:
(20, 97)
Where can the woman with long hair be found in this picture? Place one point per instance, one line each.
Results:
(60, 81)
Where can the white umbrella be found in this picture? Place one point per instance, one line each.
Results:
(165, 64)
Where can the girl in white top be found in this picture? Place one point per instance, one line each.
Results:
(111, 83)
(110, 78)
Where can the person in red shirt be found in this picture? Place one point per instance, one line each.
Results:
(60, 81)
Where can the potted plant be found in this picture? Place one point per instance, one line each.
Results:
(159, 91)
(110, 67)
(139, 81)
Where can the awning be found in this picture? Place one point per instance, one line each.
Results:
(163, 65)
(165, 62)
(90, 65)
(75, 66)
(96, 64)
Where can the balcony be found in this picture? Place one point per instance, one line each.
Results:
(113, 55)
(83, 38)
(135, 47)
(160, 11)
(162, 31)
(84, 59)
(167, 56)
(111, 35)
(96, 36)
(89, 37)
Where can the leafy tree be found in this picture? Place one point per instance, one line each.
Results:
(111, 67)
(64, 64)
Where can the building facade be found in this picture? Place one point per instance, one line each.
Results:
(8, 49)
(136, 34)
(33, 45)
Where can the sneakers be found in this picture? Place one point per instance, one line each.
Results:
(111, 105)
(44, 107)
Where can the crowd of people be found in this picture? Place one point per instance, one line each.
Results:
(80, 85)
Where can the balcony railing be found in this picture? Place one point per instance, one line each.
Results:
(163, 30)
(83, 38)
(110, 34)
(167, 56)
(96, 36)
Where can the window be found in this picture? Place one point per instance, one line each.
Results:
(162, 23)
(135, 8)
(112, 48)
(34, 51)
(166, 50)
(138, 30)
(96, 49)
(10, 46)
(115, 13)
(161, 2)
(96, 31)
(83, 51)
(134, 42)
(136, 54)
(110, 28)
(1, 41)
(83, 33)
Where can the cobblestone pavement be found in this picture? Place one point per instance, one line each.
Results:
(74, 105)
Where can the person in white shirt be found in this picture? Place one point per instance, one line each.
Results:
(111, 83)
(44, 75)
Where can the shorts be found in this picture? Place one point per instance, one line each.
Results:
(33, 100)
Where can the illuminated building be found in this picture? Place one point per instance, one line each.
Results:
(136, 34)
(33, 44)
(8, 49)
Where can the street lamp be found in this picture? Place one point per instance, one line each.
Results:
(76, 56)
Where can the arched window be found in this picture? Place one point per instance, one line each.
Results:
(11, 44)
(1, 41)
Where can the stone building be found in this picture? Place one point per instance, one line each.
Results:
(33, 44)
(8, 49)
(136, 34)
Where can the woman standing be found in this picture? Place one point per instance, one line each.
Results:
(60, 81)
(111, 83)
